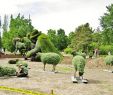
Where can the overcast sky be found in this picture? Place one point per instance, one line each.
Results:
(55, 14)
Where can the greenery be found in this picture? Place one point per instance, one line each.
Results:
(7, 71)
(82, 38)
(19, 27)
(104, 49)
(68, 50)
(50, 58)
(106, 22)
(79, 63)
(13, 61)
(62, 40)
(22, 62)
(109, 60)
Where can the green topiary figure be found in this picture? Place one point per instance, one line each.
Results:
(22, 62)
(50, 58)
(27, 42)
(44, 45)
(79, 65)
(34, 35)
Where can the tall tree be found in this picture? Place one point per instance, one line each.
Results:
(19, 27)
(63, 40)
(5, 24)
(106, 22)
(82, 38)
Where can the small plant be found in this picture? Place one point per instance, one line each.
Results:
(22, 62)
(13, 61)
(8, 71)
(109, 60)
(68, 50)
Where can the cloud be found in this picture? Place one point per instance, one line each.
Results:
(66, 14)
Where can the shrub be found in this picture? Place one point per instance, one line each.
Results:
(104, 49)
(68, 50)
(90, 54)
(50, 58)
(109, 60)
(8, 71)
(13, 61)
(22, 62)
(79, 63)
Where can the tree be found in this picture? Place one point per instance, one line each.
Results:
(5, 24)
(19, 27)
(82, 38)
(71, 36)
(53, 37)
(106, 22)
(63, 40)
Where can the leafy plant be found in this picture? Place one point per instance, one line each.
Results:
(109, 60)
(68, 50)
(50, 58)
(8, 71)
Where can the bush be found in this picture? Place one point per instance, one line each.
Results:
(104, 49)
(68, 50)
(109, 60)
(79, 63)
(8, 71)
(22, 62)
(50, 58)
(13, 61)
(91, 54)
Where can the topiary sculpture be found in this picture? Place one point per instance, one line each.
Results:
(79, 65)
(50, 58)
(44, 45)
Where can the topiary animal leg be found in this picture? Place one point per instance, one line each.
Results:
(54, 68)
(44, 66)
(75, 74)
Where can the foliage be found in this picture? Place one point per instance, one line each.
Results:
(82, 38)
(8, 71)
(19, 27)
(50, 58)
(62, 39)
(75, 53)
(104, 49)
(27, 43)
(106, 22)
(79, 63)
(7, 41)
(34, 35)
(22, 62)
(68, 50)
(109, 60)
(81, 54)
(53, 37)
(71, 36)
(46, 45)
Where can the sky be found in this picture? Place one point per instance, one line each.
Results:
(55, 14)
